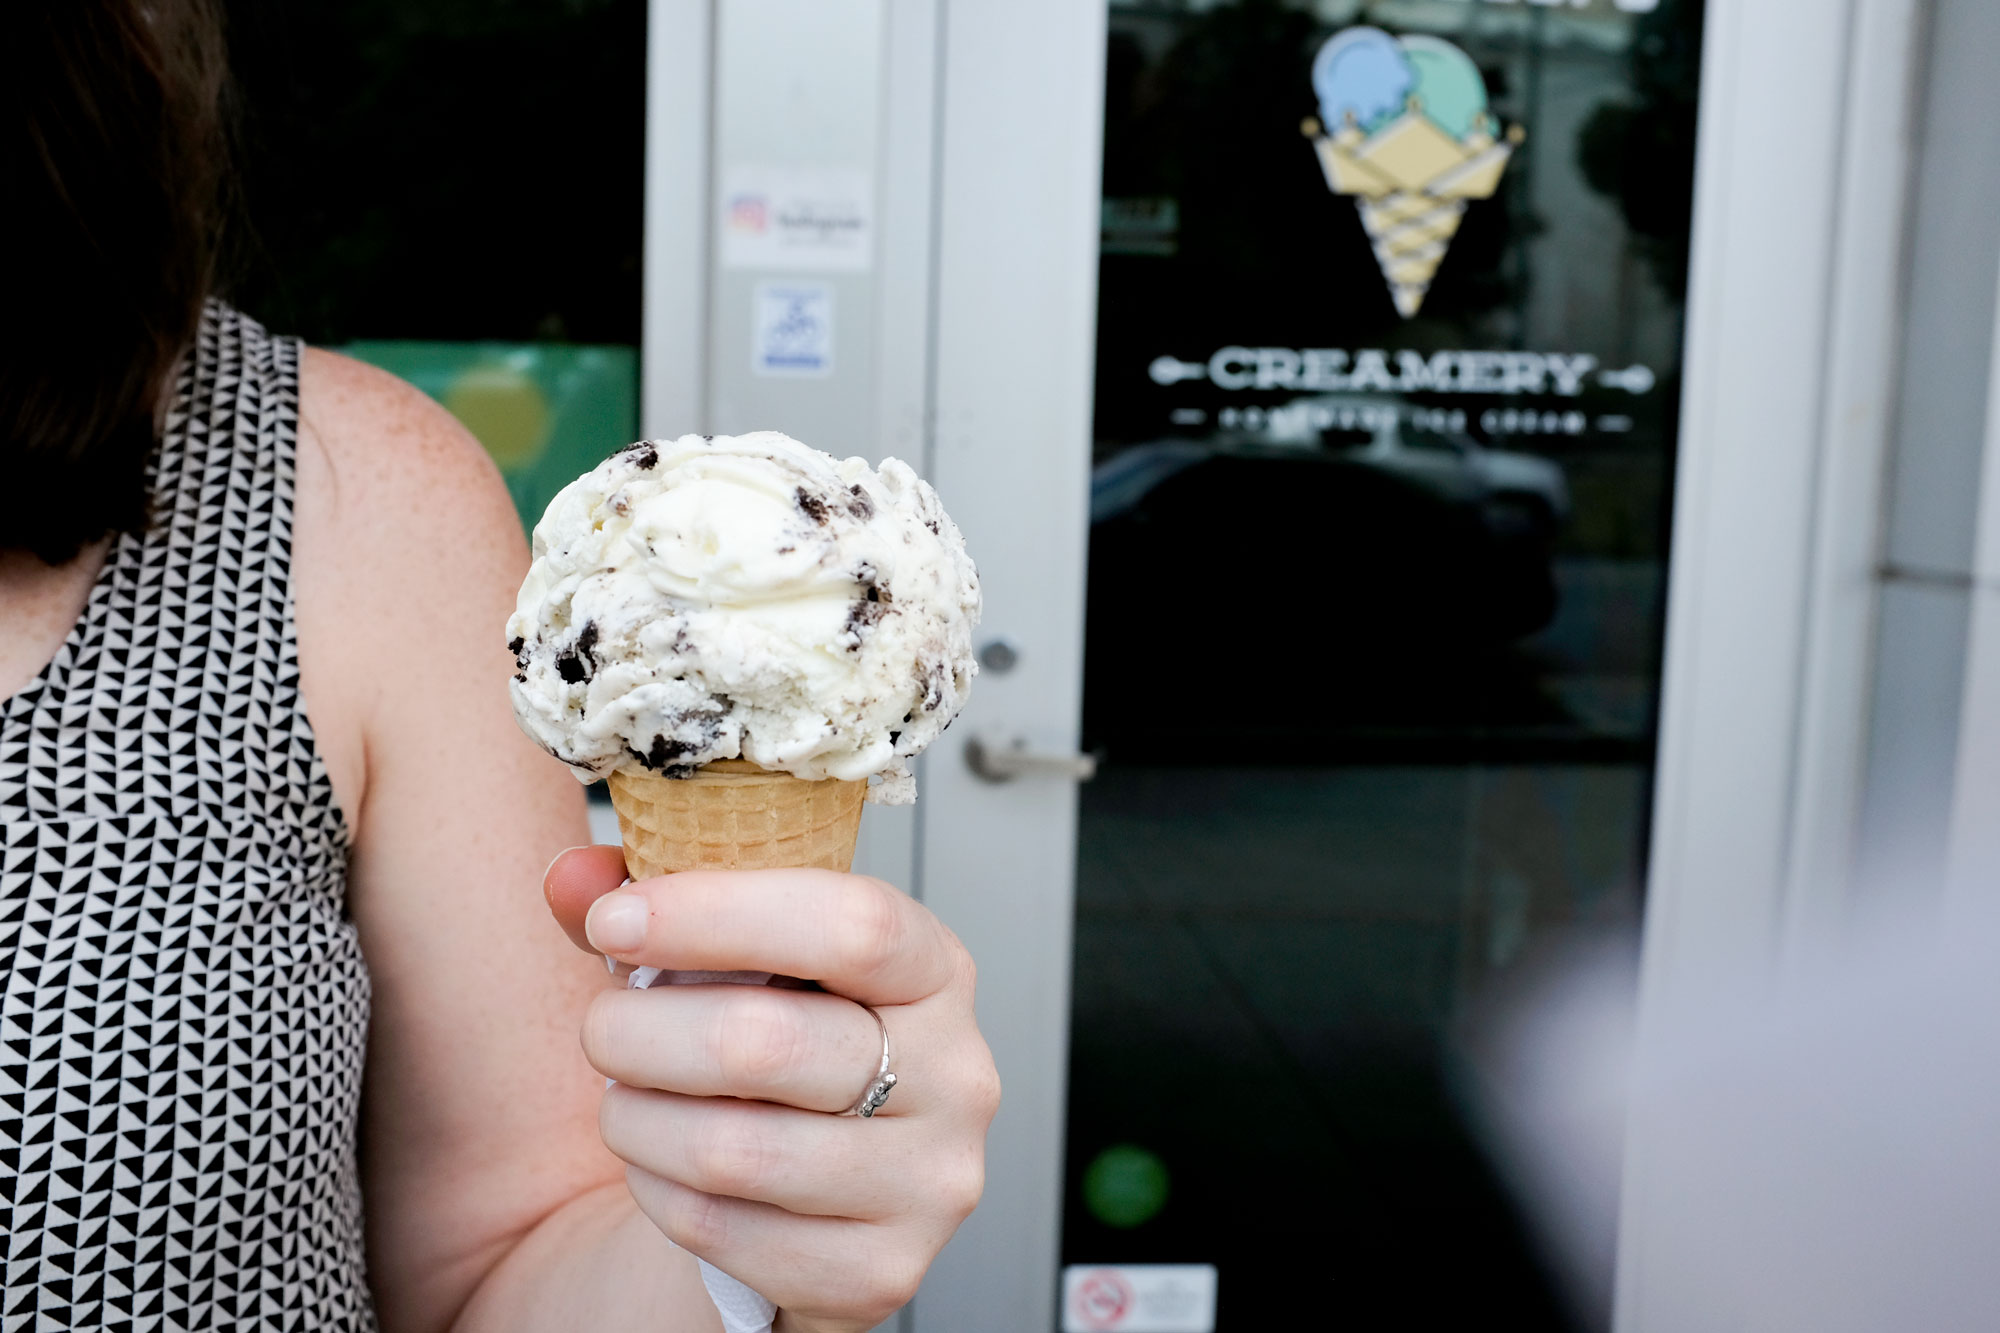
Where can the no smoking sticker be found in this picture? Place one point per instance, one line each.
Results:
(1139, 1298)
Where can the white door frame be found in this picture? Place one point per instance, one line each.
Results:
(673, 321)
(1793, 325)
(1794, 320)
(1019, 179)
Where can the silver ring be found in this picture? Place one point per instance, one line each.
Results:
(880, 1086)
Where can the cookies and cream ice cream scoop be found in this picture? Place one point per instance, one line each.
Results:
(744, 598)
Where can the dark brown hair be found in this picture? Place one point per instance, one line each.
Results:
(113, 157)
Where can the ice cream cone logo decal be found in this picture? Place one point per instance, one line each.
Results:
(1404, 128)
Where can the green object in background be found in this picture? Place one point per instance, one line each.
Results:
(1125, 1186)
(546, 412)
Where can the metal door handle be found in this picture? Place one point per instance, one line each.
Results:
(1003, 761)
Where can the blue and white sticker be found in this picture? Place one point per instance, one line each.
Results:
(1139, 1298)
(792, 330)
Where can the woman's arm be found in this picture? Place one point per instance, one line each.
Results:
(492, 1200)
(480, 1112)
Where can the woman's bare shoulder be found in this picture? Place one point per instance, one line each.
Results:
(407, 552)
(377, 437)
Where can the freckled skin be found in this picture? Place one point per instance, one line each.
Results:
(453, 816)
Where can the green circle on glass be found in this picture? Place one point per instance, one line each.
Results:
(504, 409)
(1125, 1186)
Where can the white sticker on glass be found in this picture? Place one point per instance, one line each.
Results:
(1139, 1298)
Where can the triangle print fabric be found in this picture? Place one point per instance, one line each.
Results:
(183, 1002)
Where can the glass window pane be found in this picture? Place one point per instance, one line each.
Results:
(1390, 324)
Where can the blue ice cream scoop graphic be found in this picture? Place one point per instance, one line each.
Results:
(1366, 78)
(1405, 128)
(1362, 79)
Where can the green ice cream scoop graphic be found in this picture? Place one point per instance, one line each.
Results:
(1404, 128)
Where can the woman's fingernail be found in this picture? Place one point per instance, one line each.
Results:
(617, 923)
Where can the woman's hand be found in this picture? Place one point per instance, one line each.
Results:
(726, 1112)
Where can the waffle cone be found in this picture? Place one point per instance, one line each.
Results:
(1411, 233)
(733, 815)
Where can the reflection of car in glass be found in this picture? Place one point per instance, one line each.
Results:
(1519, 489)
(1347, 583)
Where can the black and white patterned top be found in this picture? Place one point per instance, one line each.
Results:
(183, 1001)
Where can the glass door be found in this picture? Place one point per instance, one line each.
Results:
(1388, 351)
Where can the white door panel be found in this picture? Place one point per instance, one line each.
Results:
(966, 349)
(1016, 290)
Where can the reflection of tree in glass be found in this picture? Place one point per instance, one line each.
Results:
(444, 169)
(1641, 153)
(1214, 122)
